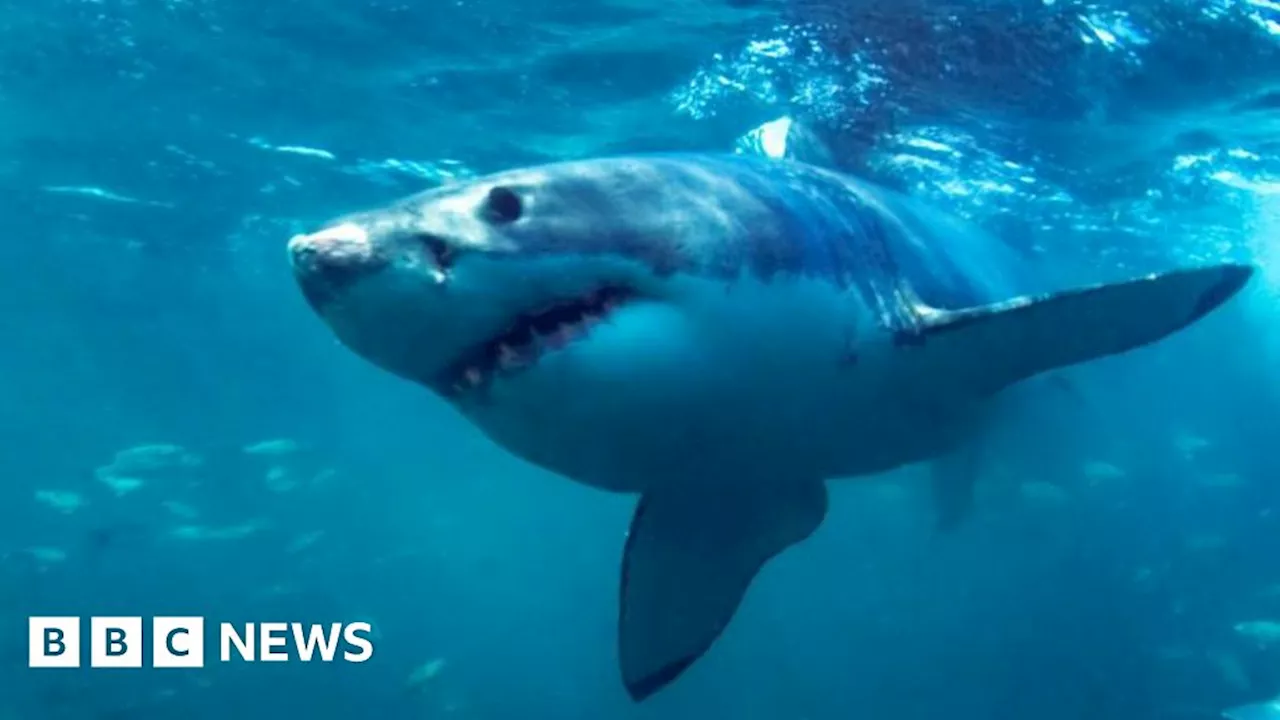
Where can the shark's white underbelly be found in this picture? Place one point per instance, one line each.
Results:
(787, 379)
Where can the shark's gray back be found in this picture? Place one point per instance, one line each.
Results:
(896, 252)
(734, 216)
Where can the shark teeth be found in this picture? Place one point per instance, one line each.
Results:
(562, 336)
(508, 358)
(530, 336)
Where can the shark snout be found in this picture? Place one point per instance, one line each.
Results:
(329, 261)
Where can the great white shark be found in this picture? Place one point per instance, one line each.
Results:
(720, 335)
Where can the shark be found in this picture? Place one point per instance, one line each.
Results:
(723, 336)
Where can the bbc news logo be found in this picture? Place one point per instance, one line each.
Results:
(178, 642)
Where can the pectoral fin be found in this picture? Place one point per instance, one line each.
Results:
(688, 561)
(1000, 344)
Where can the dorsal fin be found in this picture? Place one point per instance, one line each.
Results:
(786, 138)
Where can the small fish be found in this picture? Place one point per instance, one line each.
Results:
(424, 672)
(64, 501)
(1263, 632)
(278, 446)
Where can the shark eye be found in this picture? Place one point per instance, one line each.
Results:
(503, 205)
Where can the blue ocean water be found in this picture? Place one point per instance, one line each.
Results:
(155, 155)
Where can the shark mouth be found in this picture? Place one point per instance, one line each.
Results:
(529, 337)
